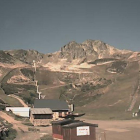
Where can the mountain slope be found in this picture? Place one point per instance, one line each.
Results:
(99, 79)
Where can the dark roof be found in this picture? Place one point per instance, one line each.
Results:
(80, 123)
(64, 122)
(73, 115)
(51, 103)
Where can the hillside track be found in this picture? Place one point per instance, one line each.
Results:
(17, 125)
(7, 74)
(117, 129)
(19, 99)
(22, 130)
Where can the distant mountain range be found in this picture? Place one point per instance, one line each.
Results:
(90, 50)
(100, 80)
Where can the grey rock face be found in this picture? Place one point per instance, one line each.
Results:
(90, 49)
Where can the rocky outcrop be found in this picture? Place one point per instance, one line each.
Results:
(91, 50)
(26, 56)
(5, 57)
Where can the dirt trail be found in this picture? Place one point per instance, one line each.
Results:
(22, 130)
(17, 125)
(55, 87)
(117, 129)
(20, 100)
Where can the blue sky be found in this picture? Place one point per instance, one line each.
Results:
(47, 25)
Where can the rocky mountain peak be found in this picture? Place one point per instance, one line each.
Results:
(89, 49)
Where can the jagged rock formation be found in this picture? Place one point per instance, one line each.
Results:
(91, 50)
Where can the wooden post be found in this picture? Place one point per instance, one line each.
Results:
(99, 137)
(104, 135)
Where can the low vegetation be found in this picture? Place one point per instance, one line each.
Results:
(46, 137)
(10, 134)
(33, 129)
(8, 101)
(104, 60)
(118, 66)
(29, 97)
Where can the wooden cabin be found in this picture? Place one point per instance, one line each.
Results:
(79, 131)
(41, 116)
(57, 131)
(59, 108)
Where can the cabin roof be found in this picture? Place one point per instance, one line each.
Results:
(41, 111)
(63, 122)
(51, 103)
(77, 124)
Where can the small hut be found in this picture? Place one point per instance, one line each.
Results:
(57, 130)
(79, 131)
(40, 116)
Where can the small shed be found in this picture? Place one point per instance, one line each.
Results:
(58, 107)
(20, 111)
(79, 131)
(57, 130)
(40, 116)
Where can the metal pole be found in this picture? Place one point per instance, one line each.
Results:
(37, 88)
(39, 95)
(34, 65)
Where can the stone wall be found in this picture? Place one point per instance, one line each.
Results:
(39, 122)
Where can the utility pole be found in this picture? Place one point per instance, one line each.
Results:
(37, 88)
(34, 65)
(36, 82)
(39, 95)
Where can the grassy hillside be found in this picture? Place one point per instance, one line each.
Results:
(106, 97)
(114, 103)
(9, 100)
(105, 92)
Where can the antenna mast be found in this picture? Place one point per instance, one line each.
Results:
(36, 82)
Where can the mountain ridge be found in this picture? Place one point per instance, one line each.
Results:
(89, 50)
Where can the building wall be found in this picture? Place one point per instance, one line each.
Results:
(71, 134)
(22, 114)
(66, 134)
(57, 131)
(59, 113)
(38, 122)
(20, 111)
(57, 136)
